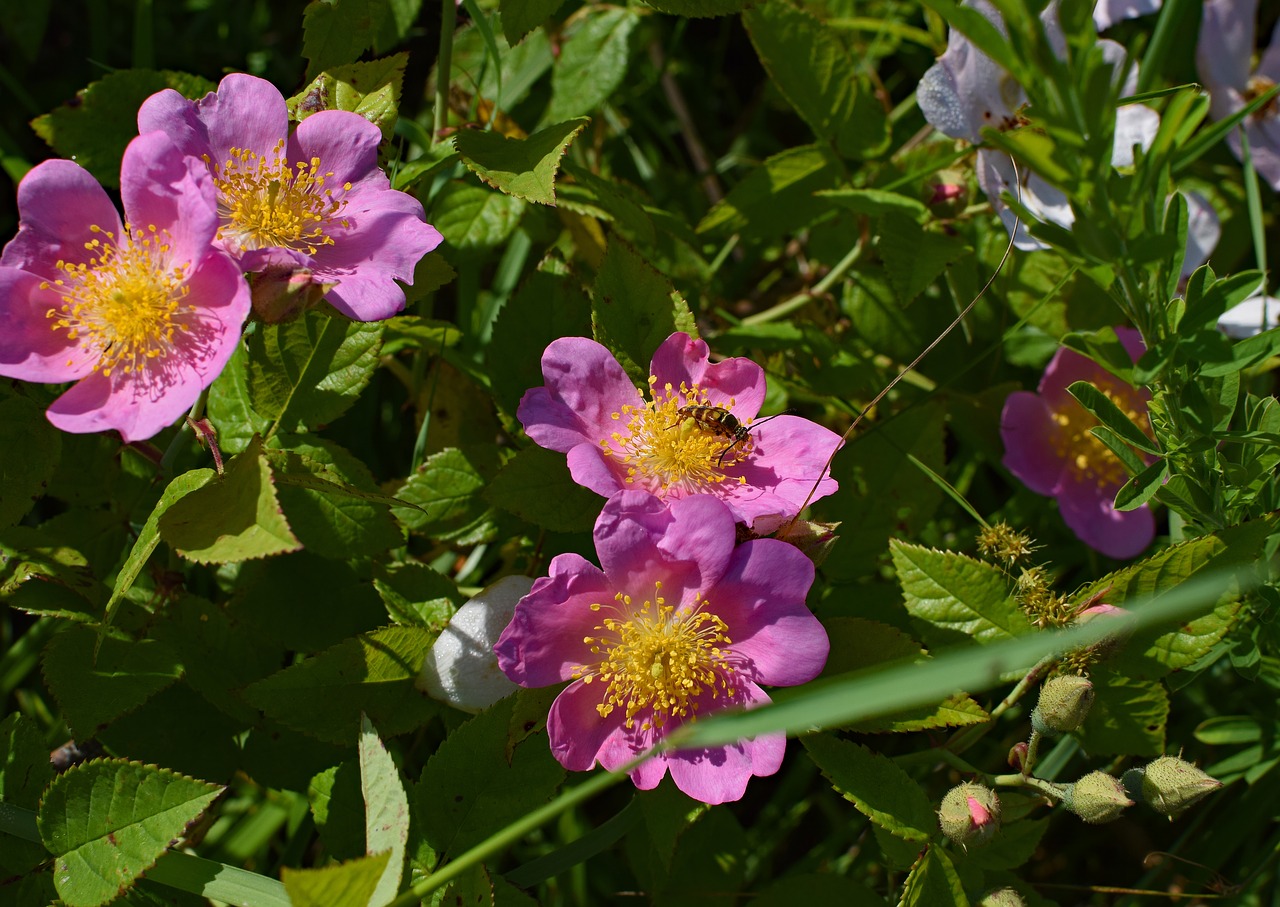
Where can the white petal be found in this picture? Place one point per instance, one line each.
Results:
(1136, 124)
(1247, 319)
(1203, 232)
(1108, 12)
(461, 668)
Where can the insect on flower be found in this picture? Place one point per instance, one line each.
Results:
(719, 421)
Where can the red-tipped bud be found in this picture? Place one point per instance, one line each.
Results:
(970, 814)
(1169, 785)
(1097, 798)
(1064, 703)
(1018, 756)
(1119, 621)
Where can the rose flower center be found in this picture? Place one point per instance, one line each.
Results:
(653, 657)
(679, 442)
(125, 304)
(1086, 456)
(264, 202)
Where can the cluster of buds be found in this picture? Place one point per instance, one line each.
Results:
(1168, 785)
(1003, 543)
(970, 815)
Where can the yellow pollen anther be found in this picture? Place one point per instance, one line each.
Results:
(264, 202)
(665, 451)
(659, 659)
(126, 304)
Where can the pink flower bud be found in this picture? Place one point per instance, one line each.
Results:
(970, 814)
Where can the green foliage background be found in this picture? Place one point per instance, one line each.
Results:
(238, 650)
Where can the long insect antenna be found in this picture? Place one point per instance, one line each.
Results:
(756, 424)
(1013, 232)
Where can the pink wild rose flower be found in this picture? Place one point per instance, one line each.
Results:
(313, 205)
(1049, 447)
(679, 623)
(617, 439)
(142, 315)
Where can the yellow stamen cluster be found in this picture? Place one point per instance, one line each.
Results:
(264, 202)
(664, 450)
(1258, 86)
(125, 304)
(1004, 543)
(656, 658)
(1084, 454)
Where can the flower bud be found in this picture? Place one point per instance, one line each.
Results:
(970, 814)
(1169, 785)
(1018, 756)
(1097, 798)
(1002, 897)
(1064, 703)
(1118, 620)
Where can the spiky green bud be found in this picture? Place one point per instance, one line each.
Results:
(1097, 798)
(970, 814)
(1002, 897)
(1169, 785)
(1064, 703)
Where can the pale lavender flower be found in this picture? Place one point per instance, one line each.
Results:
(1109, 12)
(1222, 56)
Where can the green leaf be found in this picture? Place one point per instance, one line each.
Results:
(880, 790)
(230, 405)
(933, 883)
(349, 884)
(311, 370)
(667, 811)
(370, 89)
(956, 597)
(331, 499)
(416, 594)
(874, 202)
(1127, 717)
(519, 17)
(386, 820)
(24, 773)
(779, 197)
(810, 66)
(474, 217)
(545, 308)
(92, 693)
(525, 168)
(699, 8)
(821, 888)
(1153, 653)
(234, 517)
(592, 63)
(1015, 844)
(149, 538)
(635, 307)
(29, 451)
(447, 490)
(337, 803)
(914, 256)
(373, 673)
(335, 32)
(536, 486)
(106, 822)
(477, 782)
(1110, 415)
(94, 129)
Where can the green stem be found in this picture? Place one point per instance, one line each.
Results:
(1048, 788)
(179, 440)
(800, 300)
(444, 67)
(971, 735)
(21, 657)
(514, 832)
